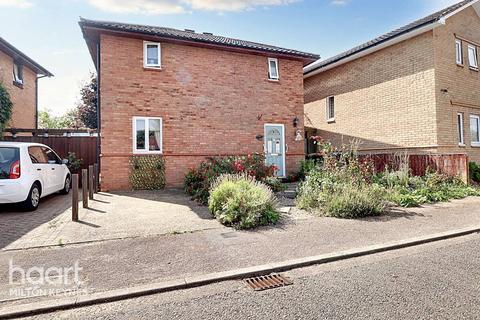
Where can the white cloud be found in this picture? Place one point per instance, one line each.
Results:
(22, 4)
(181, 6)
(234, 5)
(139, 6)
(339, 2)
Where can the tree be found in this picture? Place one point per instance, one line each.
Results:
(6, 107)
(87, 106)
(69, 120)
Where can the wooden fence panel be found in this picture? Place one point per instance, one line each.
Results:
(85, 148)
(449, 164)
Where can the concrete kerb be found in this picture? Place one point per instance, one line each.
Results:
(201, 280)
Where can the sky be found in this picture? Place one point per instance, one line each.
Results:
(48, 31)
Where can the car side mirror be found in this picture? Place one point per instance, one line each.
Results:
(65, 161)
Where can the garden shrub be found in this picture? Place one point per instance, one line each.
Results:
(6, 108)
(474, 172)
(242, 202)
(198, 181)
(74, 163)
(147, 172)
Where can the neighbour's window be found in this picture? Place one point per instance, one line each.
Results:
(459, 51)
(331, 108)
(152, 55)
(475, 130)
(472, 56)
(273, 69)
(37, 155)
(147, 135)
(17, 73)
(461, 137)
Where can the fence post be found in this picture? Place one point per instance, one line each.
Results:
(95, 170)
(90, 182)
(85, 188)
(75, 197)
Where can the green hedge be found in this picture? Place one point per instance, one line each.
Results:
(147, 172)
(6, 107)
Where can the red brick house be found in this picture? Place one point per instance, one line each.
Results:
(197, 95)
(20, 74)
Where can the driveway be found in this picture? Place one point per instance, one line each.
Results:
(110, 216)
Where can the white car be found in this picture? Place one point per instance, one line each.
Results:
(29, 172)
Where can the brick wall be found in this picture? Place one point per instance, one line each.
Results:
(24, 107)
(385, 99)
(461, 82)
(212, 102)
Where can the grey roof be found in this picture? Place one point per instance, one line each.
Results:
(190, 35)
(19, 55)
(437, 16)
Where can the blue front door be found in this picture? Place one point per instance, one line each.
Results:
(275, 147)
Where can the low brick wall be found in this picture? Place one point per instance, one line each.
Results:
(450, 164)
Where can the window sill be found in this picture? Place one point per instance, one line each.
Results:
(145, 68)
(274, 80)
(475, 145)
(473, 69)
(462, 145)
(331, 120)
(18, 84)
(146, 153)
(461, 65)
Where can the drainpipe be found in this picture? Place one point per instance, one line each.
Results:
(98, 112)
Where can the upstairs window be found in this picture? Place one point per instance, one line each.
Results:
(475, 130)
(331, 109)
(273, 69)
(147, 135)
(459, 52)
(461, 137)
(152, 55)
(17, 73)
(472, 56)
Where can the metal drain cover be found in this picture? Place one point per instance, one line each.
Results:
(267, 282)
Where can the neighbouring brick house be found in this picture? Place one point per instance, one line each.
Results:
(20, 74)
(415, 89)
(197, 95)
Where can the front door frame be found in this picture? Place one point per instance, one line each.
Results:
(265, 126)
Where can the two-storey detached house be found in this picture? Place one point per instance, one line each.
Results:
(188, 96)
(20, 74)
(416, 88)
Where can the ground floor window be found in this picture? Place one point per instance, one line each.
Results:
(147, 135)
(475, 130)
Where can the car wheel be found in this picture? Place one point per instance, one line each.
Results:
(33, 199)
(66, 186)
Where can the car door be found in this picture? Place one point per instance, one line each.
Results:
(56, 169)
(40, 164)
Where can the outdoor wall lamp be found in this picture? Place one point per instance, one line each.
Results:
(295, 122)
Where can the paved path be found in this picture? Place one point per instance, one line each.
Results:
(434, 281)
(109, 216)
(124, 263)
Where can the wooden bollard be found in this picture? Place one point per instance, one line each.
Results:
(75, 197)
(85, 187)
(96, 172)
(90, 182)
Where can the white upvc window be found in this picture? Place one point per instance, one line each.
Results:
(475, 130)
(330, 111)
(461, 136)
(152, 55)
(273, 69)
(472, 56)
(458, 51)
(17, 73)
(147, 135)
